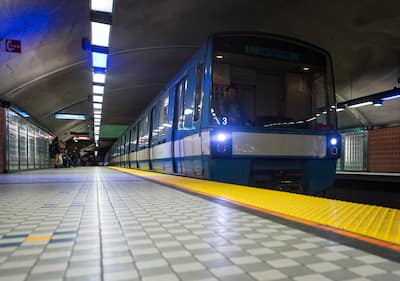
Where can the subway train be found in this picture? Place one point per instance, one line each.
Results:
(248, 108)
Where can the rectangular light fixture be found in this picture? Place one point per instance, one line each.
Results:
(339, 109)
(97, 116)
(97, 105)
(97, 111)
(97, 89)
(97, 98)
(102, 5)
(99, 60)
(68, 116)
(361, 104)
(100, 34)
(99, 77)
(87, 138)
(391, 97)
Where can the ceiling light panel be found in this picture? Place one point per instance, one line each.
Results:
(101, 34)
(102, 5)
(97, 105)
(97, 98)
(99, 77)
(99, 60)
(98, 89)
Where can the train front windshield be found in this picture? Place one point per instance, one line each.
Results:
(269, 83)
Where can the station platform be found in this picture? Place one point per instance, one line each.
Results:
(103, 224)
(368, 176)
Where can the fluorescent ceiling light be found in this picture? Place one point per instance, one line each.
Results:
(97, 105)
(361, 104)
(97, 116)
(87, 138)
(67, 116)
(99, 77)
(97, 98)
(102, 5)
(391, 98)
(97, 111)
(99, 60)
(100, 34)
(339, 109)
(98, 89)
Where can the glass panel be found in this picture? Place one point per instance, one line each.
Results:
(144, 133)
(163, 119)
(13, 163)
(133, 140)
(283, 86)
(23, 145)
(198, 96)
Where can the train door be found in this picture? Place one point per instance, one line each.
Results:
(187, 138)
(123, 151)
(127, 149)
(133, 148)
(178, 152)
(153, 135)
(143, 153)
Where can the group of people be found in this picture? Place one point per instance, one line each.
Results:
(62, 158)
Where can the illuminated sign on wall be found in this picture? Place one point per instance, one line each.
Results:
(13, 46)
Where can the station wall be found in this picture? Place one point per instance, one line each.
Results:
(23, 144)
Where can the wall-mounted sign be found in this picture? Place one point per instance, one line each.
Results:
(13, 46)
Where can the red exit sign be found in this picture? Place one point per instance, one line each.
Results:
(13, 46)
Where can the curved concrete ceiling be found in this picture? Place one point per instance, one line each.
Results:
(150, 40)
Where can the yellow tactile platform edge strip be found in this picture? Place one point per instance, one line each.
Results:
(373, 224)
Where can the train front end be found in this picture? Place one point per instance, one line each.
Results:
(272, 114)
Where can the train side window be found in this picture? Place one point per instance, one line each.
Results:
(198, 95)
(163, 119)
(154, 126)
(133, 140)
(144, 133)
(127, 141)
(181, 94)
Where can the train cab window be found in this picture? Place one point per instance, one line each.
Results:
(265, 93)
(198, 95)
(144, 133)
(133, 141)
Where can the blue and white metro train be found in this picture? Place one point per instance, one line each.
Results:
(248, 108)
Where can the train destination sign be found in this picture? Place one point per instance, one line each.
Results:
(272, 53)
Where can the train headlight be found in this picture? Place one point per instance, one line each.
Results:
(221, 144)
(333, 147)
(221, 137)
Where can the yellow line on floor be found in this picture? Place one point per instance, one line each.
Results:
(379, 223)
(37, 238)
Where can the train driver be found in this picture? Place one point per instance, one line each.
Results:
(230, 107)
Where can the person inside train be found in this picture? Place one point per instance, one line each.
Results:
(230, 107)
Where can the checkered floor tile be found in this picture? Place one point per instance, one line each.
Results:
(99, 224)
